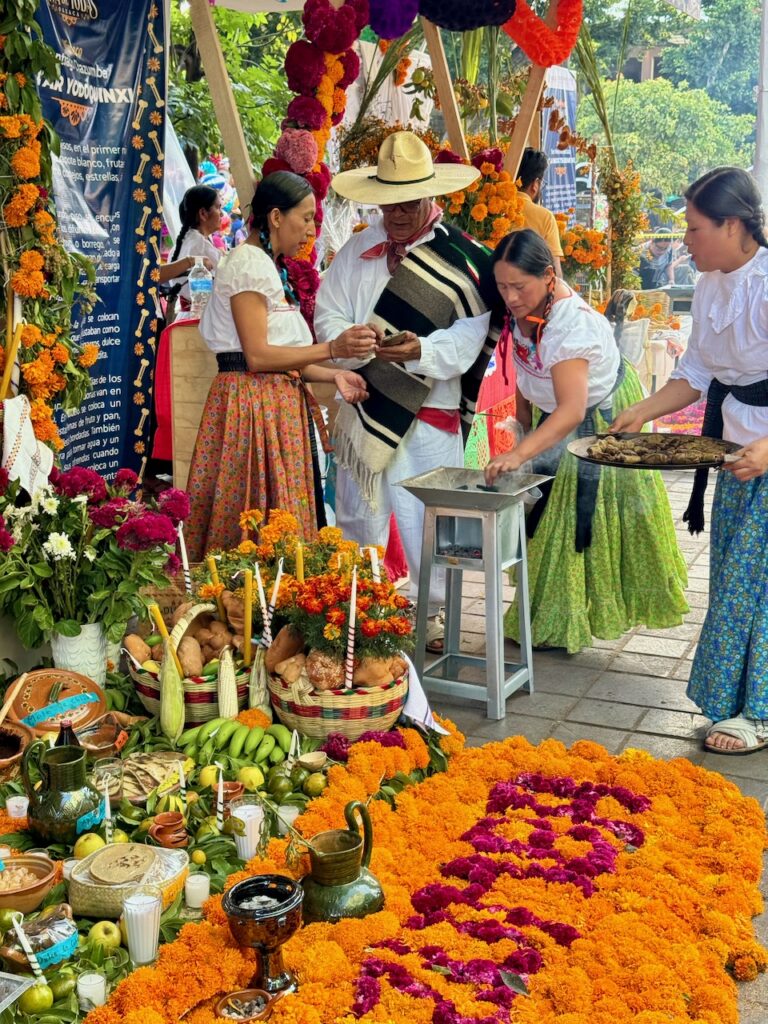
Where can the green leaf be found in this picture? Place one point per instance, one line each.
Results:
(67, 627)
(515, 982)
(439, 969)
(42, 616)
(42, 570)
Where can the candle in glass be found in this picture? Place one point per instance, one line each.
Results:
(91, 990)
(141, 913)
(17, 806)
(250, 812)
(197, 889)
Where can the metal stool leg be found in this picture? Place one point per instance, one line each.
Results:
(523, 599)
(494, 647)
(453, 588)
(422, 600)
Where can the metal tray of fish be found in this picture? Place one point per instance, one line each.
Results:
(653, 451)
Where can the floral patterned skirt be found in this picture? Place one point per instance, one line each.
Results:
(252, 451)
(632, 572)
(730, 669)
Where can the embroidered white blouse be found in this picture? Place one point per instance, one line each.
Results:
(195, 243)
(574, 331)
(248, 269)
(729, 341)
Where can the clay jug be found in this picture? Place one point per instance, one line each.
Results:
(65, 805)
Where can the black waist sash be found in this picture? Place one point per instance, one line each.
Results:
(587, 474)
(748, 394)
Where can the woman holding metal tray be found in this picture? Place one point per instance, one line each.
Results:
(727, 359)
(602, 554)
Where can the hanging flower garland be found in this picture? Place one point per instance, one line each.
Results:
(546, 46)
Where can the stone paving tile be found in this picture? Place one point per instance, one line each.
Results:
(643, 664)
(682, 671)
(665, 746)
(657, 646)
(568, 733)
(606, 713)
(556, 677)
(701, 586)
(534, 729)
(640, 690)
(686, 631)
(750, 766)
(541, 705)
(673, 723)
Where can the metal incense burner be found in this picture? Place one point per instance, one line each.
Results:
(263, 913)
(469, 526)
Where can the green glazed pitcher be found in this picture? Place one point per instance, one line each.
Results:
(339, 883)
(65, 805)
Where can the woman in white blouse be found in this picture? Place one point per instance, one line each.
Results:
(254, 448)
(200, 213)
(727, 359)
(602, 555)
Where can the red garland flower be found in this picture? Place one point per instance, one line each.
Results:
(351, 64)
(174, 504)
(173, 565)
(489, 156)
(108, 514)
(304, 67)
(306, 112)
(145, 531)
(273, 164)
(298, 148)
(3, 478)
(447, 156)
(334, 30)
(79, 480)
(125, 480)
(6, 538)
(320, 181)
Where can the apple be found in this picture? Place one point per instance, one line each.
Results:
(123, 930)
(118, 836)
(106, 935)
(252, 777)
(87, 844)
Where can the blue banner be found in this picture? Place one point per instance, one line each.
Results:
(559, 187)
(108, 108)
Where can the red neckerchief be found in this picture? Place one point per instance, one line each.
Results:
(397, 251)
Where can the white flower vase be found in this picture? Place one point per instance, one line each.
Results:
(85, 653)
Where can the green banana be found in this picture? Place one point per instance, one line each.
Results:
(190, 751)
(225, 732)
(206, 753)
(209, 729)
(276, 756)
(266, 747)
(255, 736)
(189, 736)
(283, 736)
(237, 742)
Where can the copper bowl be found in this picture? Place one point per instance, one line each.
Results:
(15, 737)
(30, 896)
(244, 994)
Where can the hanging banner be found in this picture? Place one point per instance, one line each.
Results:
(559, 187)
(108, 108)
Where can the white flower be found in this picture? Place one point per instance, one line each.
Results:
(17, 532)
(90, 554)
(58, 546)
(80, 499)
(50, 505)
(12, 513)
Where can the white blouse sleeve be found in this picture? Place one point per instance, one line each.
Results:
(251, 274)
(691, 367)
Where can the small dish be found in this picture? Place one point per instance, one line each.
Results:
(243, 995)
(29, 897)
(314, 761)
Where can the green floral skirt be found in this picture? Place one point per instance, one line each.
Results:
(633, 571)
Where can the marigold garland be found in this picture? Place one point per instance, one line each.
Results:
(546, 46)
(619, 889)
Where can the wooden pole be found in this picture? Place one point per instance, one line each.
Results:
(223, 98)
(444, 85)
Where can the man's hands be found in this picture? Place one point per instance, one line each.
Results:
(409, 349)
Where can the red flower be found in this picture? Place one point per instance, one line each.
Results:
(3, 478)
(146, 531)
(304, 67)
(173, 565)
(351, 64)
(320, 181)
(447, 156)
(174, 504)
(272, 165)
(125, 480)
(6, 538)
(371, 627)
(306, 112)
(489, 156)
(334, 30)
(80, 480)
(110, 513)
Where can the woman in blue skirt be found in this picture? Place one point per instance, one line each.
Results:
(727, 359)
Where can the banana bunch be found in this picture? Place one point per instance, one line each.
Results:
(227, 737)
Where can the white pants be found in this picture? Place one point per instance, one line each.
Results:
(423, 448)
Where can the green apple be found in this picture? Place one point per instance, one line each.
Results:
(87, 844)
(251, 777)
(118, 836)
(105, 934)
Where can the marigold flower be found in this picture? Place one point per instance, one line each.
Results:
(25, 162)
(89, 353)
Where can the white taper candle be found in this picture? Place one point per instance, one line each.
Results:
(185, 560)
(350, 665)
(21, 935)
(266, 632)
(220, 801)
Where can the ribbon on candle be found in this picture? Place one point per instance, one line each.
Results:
(220, 800)
(300, 562)
(184, 560)
(214, 574)
(266, 633)
(183, 784)
(350, 664)
(375, 570)
(17, 921)
(162, 629)
(109, 833)
(248, 617)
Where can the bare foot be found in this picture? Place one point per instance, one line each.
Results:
(722, 741)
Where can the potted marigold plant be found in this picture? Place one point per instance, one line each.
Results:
(586, 253)
(75, 557)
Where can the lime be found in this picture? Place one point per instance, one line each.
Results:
(62, 986)
(198, 857)
(277, 771)
(6, 919)
(299, 776)
(315, 784)
(279, 788)
(36, 999)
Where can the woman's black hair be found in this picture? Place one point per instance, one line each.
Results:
(196, 199)
(525, 250)
(281, 190)
(730, 192)
(532, 166)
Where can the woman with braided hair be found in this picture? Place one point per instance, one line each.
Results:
(200, 213)
(727, 360)
(602, 554)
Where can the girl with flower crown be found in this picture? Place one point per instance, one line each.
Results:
(602, 554)
(255, 445)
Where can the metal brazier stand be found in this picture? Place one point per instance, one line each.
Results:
(471, 527)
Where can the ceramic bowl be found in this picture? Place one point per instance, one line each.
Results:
(232, 791)
(15, 737)
(245, 994)
(32, 895)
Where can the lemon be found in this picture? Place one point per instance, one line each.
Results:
(118, 836)
(208, 776)
(251, 777)
(36, 999)
(87, 844)
(198, 857)
(62, 986)
(315, 784)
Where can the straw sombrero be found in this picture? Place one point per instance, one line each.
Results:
(404, 172)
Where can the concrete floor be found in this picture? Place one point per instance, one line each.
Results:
(626, 693)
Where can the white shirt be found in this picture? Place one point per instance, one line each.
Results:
(248, 269)
(574, 331)
(195, 244)
(729, 341)
(348, 295)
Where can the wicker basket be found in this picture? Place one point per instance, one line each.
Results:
(350, 712)
(96, 900)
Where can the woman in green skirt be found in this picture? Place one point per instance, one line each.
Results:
(602, 551)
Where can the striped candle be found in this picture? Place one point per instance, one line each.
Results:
(350, 665)
(21, 935)
(184, 560)
(220, 801)
(109, 832)
(266, 632)
(275, 592)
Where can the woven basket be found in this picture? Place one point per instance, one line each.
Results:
(201, 699)
(350, 712)
(96, 900)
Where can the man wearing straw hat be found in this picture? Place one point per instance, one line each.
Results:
(413, 276)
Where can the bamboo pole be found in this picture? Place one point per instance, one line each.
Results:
(444, 86)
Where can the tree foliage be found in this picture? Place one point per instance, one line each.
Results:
(254, 47)
(672, 134)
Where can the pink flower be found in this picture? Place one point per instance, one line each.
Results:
(125, 480)
(320, 181)
(80, 480)
(351, 64)
(6, 538)
(174, 504)
(145, 531)
(306, 112)
(298, 148)
(3, 478)
(336, 747)
(447, 156)
(110, 513)
(304, 67)
(386, 739)
(489, 156)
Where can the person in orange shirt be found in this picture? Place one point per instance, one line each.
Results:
(538, 217)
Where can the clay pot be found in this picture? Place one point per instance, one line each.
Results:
(232, 791)
(15, 737)
(168, 829)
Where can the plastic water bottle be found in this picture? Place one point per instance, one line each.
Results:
(200, 287)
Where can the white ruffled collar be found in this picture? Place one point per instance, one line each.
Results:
(732, 290)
